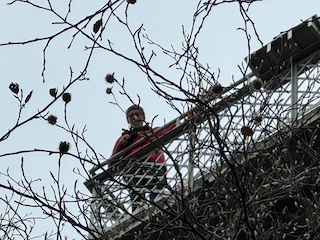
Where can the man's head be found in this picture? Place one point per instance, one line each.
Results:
(135, 116)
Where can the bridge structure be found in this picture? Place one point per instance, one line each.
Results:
(282, 89)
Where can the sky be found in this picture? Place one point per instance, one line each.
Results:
(221, 44)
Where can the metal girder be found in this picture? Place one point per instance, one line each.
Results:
(295, 44)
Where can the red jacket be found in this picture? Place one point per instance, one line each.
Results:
(157, 156)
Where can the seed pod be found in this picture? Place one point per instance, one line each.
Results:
(257, 84)
(53, 92)
(110, 78)
(217, 88)
(246, 131)
(97, 25)
(14, 87)
(132, 1)
(52, 119)
(28, 97)
(109, 90)
(64, 147)
(66, 97)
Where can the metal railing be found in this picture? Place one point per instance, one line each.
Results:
(191, 138)
(135, 185)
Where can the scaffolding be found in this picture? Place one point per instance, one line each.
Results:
(282, 90)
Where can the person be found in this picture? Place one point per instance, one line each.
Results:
(139, 175)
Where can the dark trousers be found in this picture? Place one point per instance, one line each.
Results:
(151, 177)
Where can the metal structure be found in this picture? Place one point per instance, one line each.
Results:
(282, 89)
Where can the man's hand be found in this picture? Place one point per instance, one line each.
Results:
(124, 140)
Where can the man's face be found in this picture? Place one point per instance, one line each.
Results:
(135, 118)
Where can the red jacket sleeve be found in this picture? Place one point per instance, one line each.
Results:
(117, 148)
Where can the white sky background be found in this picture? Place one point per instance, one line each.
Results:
(221, 45)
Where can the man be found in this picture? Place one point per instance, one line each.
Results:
(152, 175)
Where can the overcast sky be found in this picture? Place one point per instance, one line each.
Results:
(221, 45)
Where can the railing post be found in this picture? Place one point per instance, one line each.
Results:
(294, 90)
(93, 219)
(191, 158)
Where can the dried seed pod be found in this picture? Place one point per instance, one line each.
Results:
(217, 88)
(257, 84)
(53, 92)
(14, 87)
(66, 97)
(52, 119)
(97, 25)
(109, 90)
(131, 1)
(28, 97)
(246, 131)
(64, 147)
(110, 78)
